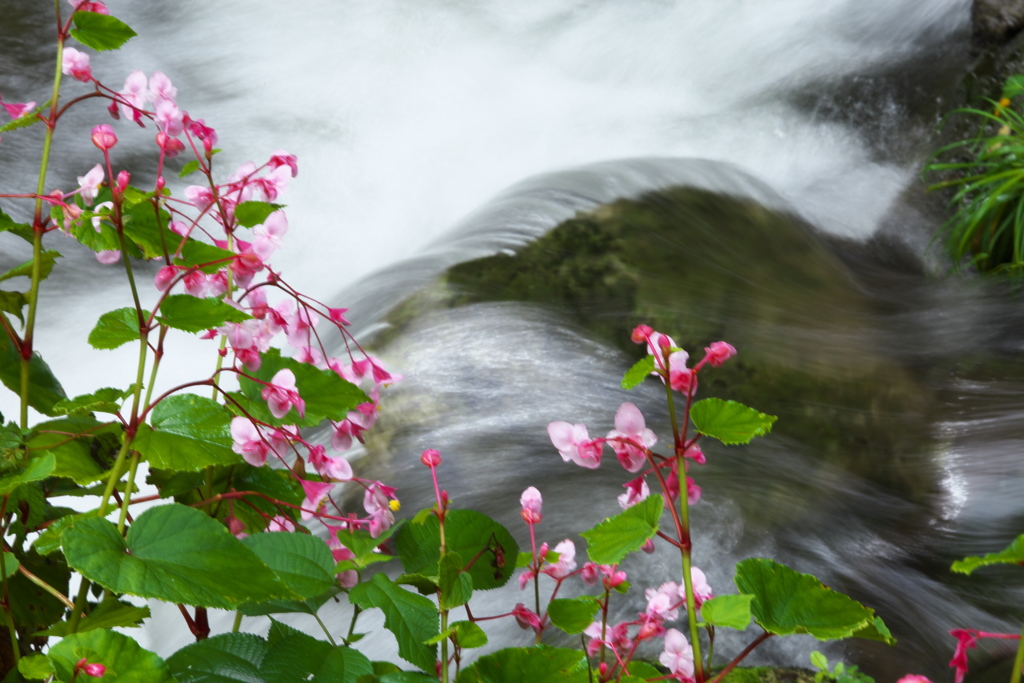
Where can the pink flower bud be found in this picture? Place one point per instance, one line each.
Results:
(103, 136)
(641, 333)
(171, 146)
(76, 64)
(338, 315)
(648, 547)
(95, 670)
(526, 618)
(123, 178)
(589, 573)
(718, 353)
(531, 502)
(165, 276)
(431, 458)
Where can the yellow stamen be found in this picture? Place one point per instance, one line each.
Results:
(394, 505)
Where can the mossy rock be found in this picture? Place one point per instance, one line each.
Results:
(703, 266)
(769, 674)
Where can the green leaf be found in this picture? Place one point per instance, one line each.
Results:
(455, 584)
(572, 615)
(36, 667)
(144, 232)
(7, 224)
(100, 32)
(99, 236)
(638, 373)
(21, 122)
(1012, 554)
(541, 664)
(327, 395)
(13, 302)
(731, 611)
(226, 658)
(468, 533)
(44, 389)
(188, 168)
(189, 432)
(425, 585)
(46, 262)
(31, 606)
(412, 618)
(208, 257)
(115, 328)
(122, 656)
(1014, 86)
(251, 214)
(35, 469)
(303, 563)
(192, 314)
(786, 602)
(876, 630)
(10, 564)
(84, 447)
(50, 540)
(361, 543)
(295, 657)
(819, 661)
(109, 614)
(468, 635)
(610, 541)
(173, 553)
(106, 400)
(729, 422)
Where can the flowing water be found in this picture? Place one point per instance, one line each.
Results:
(434, 132)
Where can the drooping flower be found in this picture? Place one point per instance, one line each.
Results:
(566, 563)
(718, 353)
(90, 184)
(283, 158)
(281, 523)
(574, 444)
(316, 494)
(526, 618)
(914, 678)
(248, 442)
(75, 63)
(18, 109)
(965, 641)
(636, 490)
(662, 603)
(282, 394)
(108, 256)
(135, 95)
(631, 438)
(431, 457)
(701, 589)
(269, 233)
(678, 655)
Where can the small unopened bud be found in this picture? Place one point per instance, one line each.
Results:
(602, 669)
(95, 670)
(641, 333)
(170, 146)
(103, 136)
(648, 547)
(431, 458)
(122, 181)
(236, 526)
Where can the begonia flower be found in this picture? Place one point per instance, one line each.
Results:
(90, 184)
(316, 494)
(18, 109)
(248, 442)
(283, 158)
(701, 590)
(135, 95)
(282, 394)
(281, 523)
(574, 444)
(526, 618)
(75, 63)
(678, 655)
(566, 563)
(631, 439)
(268, 235)
(718, 353)
(160, 88)
(636, 490)
(108, 257)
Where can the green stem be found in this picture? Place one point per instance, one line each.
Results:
(37, 230)
(352, 626)
(76, 613)
(128, 486)
(7, 603)
(238, 622)
(1018, 662)
(322, 625)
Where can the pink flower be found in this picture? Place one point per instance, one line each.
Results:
(615, 637)
(103, 136)
(431, 458)
(135, 96)
(95, 670)
(526, 618)
(701, 590)
(718, 353)
(680, 377)
(589, 573)
(281, 523)
(89, 6)
(333, 468)
(641, 333)
(248, 442)
(108, 256)
(965, 641)
(566, 563)
(574, 444)
(377, 501)
(168, 118)
(76, 64)
(631, 438)
(347, 577)
(90, 184)
(170, 146)
(531, 502)
(316, 494)
(199, 196)
(283, 158)
(17, 110)
(663, 602)
(269, 234)
(914, 678)
(281, 395)
(160, 88)
(636, 490)
(678, 655)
